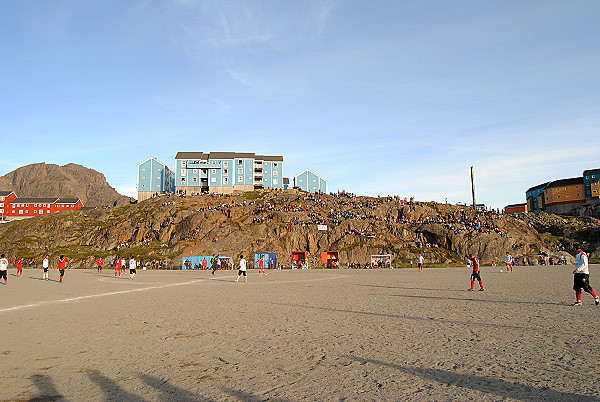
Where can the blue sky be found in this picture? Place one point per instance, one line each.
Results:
(378, 97)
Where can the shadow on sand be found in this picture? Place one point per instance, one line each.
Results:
(499, 388)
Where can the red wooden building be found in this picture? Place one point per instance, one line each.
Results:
(40, 206)
(6, 197)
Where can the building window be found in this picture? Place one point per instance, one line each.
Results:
(275, 165)
(225, 180)
(183, 180)
(183, 172)
(240, 162)
(240, 170)
(213, 171)
(195, 179)
(275, 181)
(195, 170)
(275, 173)
(225, 172)
(213, 179)
(226, 164)
(240, 178)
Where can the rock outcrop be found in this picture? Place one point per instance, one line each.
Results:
(168, 229)
(69, 181)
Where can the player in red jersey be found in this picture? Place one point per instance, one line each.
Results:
(118, 263)
(100, 264)
(261, 266)
(19, 263)
(475, 274)
(62, 265)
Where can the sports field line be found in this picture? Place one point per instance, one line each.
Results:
(79, 298)
(87, 297)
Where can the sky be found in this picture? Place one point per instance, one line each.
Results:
(385, 97)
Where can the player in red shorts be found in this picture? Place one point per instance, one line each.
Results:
(509, 261)
(475, 274)
(62, 265)
(261, 266)
(19, 263)
(118, 264)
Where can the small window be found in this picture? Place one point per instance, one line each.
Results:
(275, 181)
(240, 162)
(240, 178)
(240, 170)
(275, 173)
(195, 170)
(213, 179)
(225, 180)
(183, 172)
(195, 179)
(226, 163)
(213, 171)
(225, 172)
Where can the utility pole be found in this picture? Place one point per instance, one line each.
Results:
(473, 187)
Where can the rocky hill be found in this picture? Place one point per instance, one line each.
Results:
(69, 181)
(167, 229)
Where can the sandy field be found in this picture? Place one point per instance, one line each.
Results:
(299, 335)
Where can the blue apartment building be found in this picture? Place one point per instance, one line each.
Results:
(311, 182)
(226, 172)
(154, 177)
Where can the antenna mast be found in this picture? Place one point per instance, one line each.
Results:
(473, 187)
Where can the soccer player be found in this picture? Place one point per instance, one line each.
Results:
(45, 266)
(475, 274)
(261, 265)
(118, 264)
(420, 262)
(3, 268)
(62, 265)
(19, 263)
(100, 264)
(242, 269)
(132, 267)
(509, 261)
(581, 276)
(216, 263)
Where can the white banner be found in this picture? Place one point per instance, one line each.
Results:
(322, 227)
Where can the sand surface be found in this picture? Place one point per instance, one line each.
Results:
(299, 335)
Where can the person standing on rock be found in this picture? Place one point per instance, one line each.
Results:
(509, 261)
(475, 274)
(3, 268)
(581, 276)
(132, 267)
(62, 265)
(45, 266)
(242, 269)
